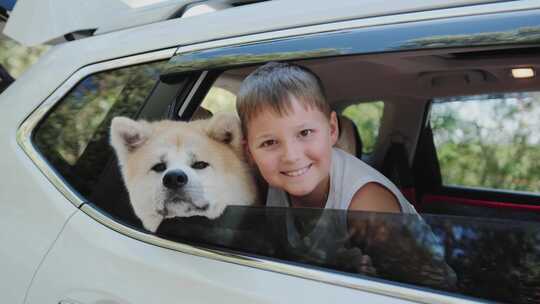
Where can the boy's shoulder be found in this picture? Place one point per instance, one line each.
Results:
(351, 167)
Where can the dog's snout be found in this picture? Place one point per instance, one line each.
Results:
(175, 179)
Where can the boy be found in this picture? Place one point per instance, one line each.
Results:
(290, 132)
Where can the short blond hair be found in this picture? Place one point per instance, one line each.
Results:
(272, 85)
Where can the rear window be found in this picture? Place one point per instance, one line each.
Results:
(367, 119)
(489, 141)
(74, 136)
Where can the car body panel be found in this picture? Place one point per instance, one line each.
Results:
(33, 213)
(55, 19)
(144, 273)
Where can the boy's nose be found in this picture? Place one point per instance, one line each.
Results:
(291, 152)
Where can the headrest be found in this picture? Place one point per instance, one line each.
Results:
(349, 139)
(201, 113)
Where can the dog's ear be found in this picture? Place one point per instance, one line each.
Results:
(225, 127)
(127, 135)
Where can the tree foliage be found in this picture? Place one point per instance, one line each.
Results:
(367, 118)
(489, 141)
(17, 58)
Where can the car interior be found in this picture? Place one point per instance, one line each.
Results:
(408, 82)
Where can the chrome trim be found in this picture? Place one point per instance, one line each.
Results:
(358, 283)
(191, 93)
(25, 131)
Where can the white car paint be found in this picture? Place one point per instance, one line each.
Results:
(55, 18)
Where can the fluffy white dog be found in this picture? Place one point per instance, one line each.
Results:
(181, 169)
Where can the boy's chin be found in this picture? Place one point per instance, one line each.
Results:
(299, 192)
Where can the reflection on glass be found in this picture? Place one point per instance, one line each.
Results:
(497, 260)
(73, 136)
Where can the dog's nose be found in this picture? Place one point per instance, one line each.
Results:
(175, 179)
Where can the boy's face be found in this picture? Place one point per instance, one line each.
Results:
(293, 151)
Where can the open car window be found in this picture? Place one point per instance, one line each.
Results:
(493, 260)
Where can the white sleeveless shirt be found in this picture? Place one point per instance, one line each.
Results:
(347, 175)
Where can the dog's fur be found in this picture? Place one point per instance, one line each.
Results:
(164, 167)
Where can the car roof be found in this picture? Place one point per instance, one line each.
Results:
(33, 22)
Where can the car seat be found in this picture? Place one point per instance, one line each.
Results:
(349, 139)
(396, 168)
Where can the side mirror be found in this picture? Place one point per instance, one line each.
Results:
(5, 79)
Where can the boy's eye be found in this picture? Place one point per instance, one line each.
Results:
(306, 132)
(268, 143)
(159, 167)
(199, 165)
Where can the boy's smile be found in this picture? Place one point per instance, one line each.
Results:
(293, 151)
(298, 172)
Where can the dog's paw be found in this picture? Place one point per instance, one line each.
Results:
(151, 222)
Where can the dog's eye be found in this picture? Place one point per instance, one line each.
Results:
(199, 165)
(160, 167)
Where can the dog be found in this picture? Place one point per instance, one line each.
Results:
(182, 169)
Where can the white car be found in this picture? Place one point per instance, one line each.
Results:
(442, 97)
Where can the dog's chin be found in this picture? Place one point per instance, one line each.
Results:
(177, 206)
(190, 208)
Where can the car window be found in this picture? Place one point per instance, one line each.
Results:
(367, 119)
(451, 254)
(74, 136)
(489, 141)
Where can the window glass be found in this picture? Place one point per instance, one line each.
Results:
(490, 141)
(367, 118)
(74, 136)
(443, 253)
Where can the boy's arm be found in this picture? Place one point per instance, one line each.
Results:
(376, 198)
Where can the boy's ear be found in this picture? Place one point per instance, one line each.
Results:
(127, 135)
(334, 128)
(225, 127)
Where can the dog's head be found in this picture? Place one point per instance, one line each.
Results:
(180, 169)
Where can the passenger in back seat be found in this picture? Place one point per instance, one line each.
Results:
(290, 133)
(290, 136)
